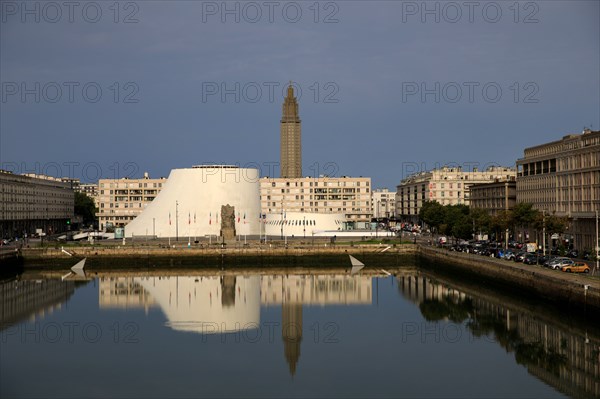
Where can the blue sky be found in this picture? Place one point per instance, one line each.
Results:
(363, 69)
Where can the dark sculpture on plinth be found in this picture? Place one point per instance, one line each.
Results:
(227, 222)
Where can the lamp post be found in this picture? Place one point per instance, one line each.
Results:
(282, 219)
(597, 249)
(304, 226)
(544, 232)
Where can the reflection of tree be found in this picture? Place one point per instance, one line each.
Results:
(534, 353)
(526, 353)
(457, 312)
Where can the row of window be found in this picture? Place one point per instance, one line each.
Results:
(129, 185)
(325, 184)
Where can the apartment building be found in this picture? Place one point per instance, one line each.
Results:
(383, 203)
(563, 178)
(121, 200)
(31, 202)
(495, 197)
(446, 185)
(348, 195)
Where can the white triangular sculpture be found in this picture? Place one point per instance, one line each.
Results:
(356, 265)
(78, 268)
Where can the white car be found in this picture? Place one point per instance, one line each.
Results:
(558, 263)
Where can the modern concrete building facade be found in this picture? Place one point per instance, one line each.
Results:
(383, 203)
(302, 224)
(191, 203)
(448, 186)
(291, 139)
(119, 201)
(34, 202)
(495, 197)
(563, 178)
(350, 196)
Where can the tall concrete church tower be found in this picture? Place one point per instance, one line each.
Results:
(291, 144)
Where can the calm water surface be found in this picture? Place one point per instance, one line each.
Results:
(408, 335)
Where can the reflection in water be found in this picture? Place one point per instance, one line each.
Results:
(293, 291)
(562, 353)
(22, 299)
(291, 333)
(562, 356)
(197, 304)
(227, 304)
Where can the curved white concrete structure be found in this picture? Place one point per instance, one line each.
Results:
(207, 305)
(301, 224)
(189, 205)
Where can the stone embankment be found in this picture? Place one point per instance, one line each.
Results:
(105, 257)
(582, 290)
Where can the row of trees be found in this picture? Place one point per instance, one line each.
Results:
(460, 221)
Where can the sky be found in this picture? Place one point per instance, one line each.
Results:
(385, 89)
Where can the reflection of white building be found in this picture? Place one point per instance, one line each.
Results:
(122, 292)
(217, 304)
(301, 224)
(212, 304)
(207, 304)
(316, 290)
(191, 199)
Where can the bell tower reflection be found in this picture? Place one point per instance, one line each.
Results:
(293, 292)
(291, 333)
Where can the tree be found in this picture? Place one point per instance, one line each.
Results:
(500, 222)
(458, 221)
(482, 221)
(85, 207)
(433, 214)
(524, 216)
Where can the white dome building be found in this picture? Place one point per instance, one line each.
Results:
(190, 203)
(301, 224)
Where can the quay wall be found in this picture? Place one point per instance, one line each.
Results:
(558, 288)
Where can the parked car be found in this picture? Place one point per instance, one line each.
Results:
(530, 259)
(577, 267)
(552, 259)
(519, 256)
(509, 255)
(558, 264)
(573, 253)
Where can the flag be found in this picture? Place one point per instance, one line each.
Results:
(194, 217)
(169, 218)
(210, 218)
(189, 218)
(244, 217)
(238, 217)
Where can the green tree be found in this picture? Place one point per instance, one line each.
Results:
(433, 214)
(524, 216)
(482, 221)
(499, 223)
(85, 207)
(458, 221)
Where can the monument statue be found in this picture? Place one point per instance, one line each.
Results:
(227, 222)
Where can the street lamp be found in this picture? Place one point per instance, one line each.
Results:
(544, 231)
(304, 226)
(597, 249)
(282, 219)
